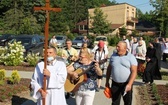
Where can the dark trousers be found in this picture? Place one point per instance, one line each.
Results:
(118, 91)
(165, 55)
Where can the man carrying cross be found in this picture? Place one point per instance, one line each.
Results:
(56, 74)
(49, 76)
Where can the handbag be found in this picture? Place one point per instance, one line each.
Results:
(107, 92)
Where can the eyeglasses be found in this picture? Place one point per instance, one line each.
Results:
(82, 57)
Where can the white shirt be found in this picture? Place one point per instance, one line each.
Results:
(128, 44)
(55, 83)
(100, 55)
(165, 47)
(96, 47)
(53, 40)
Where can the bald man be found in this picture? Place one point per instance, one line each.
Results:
(123, 69)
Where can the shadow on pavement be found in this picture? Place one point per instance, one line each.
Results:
(16, 100)
(164, 65)
(137, 83)
(29, 102)
(71, 101)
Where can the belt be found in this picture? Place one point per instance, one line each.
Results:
(120, 82)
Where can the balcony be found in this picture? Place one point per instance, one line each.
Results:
(132, 19)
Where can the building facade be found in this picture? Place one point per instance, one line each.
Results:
(120, 15)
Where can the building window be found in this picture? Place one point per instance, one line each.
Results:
(127, 13)
(85, 27)
(132, 14)
(81, 27)
(132, 9)
(127, 7)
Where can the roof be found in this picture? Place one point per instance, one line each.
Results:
(145, 25)
(115, 5)
(84, 22)
(115, 26)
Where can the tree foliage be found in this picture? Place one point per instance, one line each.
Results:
(18, 16)
(161, 15)
(100, 24)
(123, 31)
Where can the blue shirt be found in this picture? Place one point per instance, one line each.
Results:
(121, 66)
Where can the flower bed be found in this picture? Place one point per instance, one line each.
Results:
(150, 97)
(10, 91)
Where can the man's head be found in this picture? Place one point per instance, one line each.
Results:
(156, 40)
(51, 53)
(132, 37)
(151, 44)
(68, 43)
(141, 38)
(101, 44)
(85, 37)
(140, 42)
(53, 36)
(135, 39)
(166, 39)
(124, 37)
(121, 48)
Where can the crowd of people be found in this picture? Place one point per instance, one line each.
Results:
(148, 56)
(125, 62)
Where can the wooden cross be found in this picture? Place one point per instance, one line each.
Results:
(47, 8)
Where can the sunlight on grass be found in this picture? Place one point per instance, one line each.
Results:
(163, 73)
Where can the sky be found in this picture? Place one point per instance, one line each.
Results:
(143, 5)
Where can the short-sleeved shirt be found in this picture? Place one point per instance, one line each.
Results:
(72, 51)
(90, 83)
(98, 56)
(53, 41)
(121, 66)
(96, 47)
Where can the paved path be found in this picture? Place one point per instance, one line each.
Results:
(100, 99)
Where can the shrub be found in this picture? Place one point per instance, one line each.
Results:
(2, 82)
(3, 52)
(113, 40)
(2, 74)
(155, 92)
(9, 94)
(166, 85)
(32, 59)
(3, 97)
(59, 52)
(15, 54)
(70, 36)
(15, 77)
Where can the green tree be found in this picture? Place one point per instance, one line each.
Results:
(29, 26)
(161, 15)
(15, 12)
(100, 24)
(12, 22)
(123, 31)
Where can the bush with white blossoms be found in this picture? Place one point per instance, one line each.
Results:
(14, 56)
(3, 52)
(33, 59)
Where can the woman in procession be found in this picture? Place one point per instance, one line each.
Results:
(84, 94)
